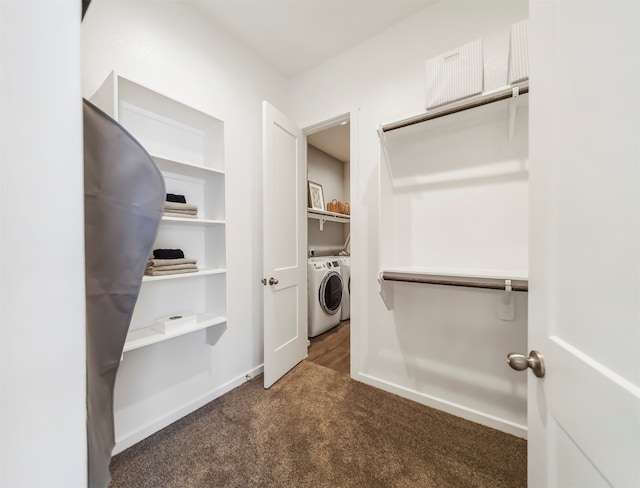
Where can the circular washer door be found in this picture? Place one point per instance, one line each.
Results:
(330, 293)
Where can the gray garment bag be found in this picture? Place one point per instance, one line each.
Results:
(124, 200)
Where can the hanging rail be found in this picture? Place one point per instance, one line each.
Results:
(489, 283)
(505, 93)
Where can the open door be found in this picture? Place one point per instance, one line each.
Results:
(285, 236)
(584, 414)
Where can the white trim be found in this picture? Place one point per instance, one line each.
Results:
(129, 439)
(452, 408)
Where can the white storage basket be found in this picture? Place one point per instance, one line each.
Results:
(454, 75)
(519, 52)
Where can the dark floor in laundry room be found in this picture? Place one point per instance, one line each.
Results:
(333, 348)
(318, 428)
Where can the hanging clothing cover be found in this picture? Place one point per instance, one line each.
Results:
(124, 199)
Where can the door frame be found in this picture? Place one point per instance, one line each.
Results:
(317, 124)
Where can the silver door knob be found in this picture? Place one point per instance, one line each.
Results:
(273, 281)
(520, 362)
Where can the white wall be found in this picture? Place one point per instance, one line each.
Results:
(417, 349)
(42, 314)
(330, 173)
(174, 50)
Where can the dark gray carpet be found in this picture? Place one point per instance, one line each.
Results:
(318, 428)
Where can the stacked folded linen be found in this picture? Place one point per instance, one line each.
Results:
(169, 266)
(184, 210)
(177, 206)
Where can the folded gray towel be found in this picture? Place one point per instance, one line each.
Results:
(155, 272)
(180, 206)
(169, 262)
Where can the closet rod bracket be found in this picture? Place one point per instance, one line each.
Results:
(513, 111)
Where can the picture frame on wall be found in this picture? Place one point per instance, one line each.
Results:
(316, 196)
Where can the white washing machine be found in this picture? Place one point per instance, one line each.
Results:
(324, 294)
(345, 272)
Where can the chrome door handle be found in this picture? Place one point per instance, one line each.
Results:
(520, 362)
(273, 281)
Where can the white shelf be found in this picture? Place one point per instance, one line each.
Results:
(147, 336)
(193, 221)
(185, 165)
(202, 272)
(503, 93)
(499, 274)
(324, 216)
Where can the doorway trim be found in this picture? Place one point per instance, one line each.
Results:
(349, 114)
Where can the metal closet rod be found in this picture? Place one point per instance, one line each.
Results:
(497, 284)
(473, 103)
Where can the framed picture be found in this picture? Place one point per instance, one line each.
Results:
(316, 197)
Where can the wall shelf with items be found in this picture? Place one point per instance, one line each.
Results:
(324, 216)
(187, 145)
(454, 190)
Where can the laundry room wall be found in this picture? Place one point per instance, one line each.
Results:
(442, 346)
(171, 48)
(330, 173)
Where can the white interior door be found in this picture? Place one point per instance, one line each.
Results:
(285, 243)
(584, 415)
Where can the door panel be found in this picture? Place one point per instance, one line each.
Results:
(285, 243)
(584, 415)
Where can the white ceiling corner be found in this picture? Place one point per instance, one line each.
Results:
(294, 36)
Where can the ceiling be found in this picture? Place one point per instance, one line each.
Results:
(294, 36)
(333, 141)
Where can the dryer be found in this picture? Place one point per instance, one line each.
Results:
(325, 287)
(345, 271)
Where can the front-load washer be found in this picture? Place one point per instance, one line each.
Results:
(345, 272)
(324, 295)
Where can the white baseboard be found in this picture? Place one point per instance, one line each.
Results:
(131, 438)
(476, 416)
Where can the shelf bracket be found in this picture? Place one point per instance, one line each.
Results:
(512, 111)
(321, 223)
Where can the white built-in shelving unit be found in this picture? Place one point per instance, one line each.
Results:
(188, 148)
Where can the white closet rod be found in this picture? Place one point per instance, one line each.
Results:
(485, 99)
(490, 283)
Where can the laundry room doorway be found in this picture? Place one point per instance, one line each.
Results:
(288, 207)
(330, 152)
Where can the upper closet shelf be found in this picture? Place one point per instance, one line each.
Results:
(492, 96)
(324, 216)
(173, 132)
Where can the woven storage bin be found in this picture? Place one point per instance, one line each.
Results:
(338, 207)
